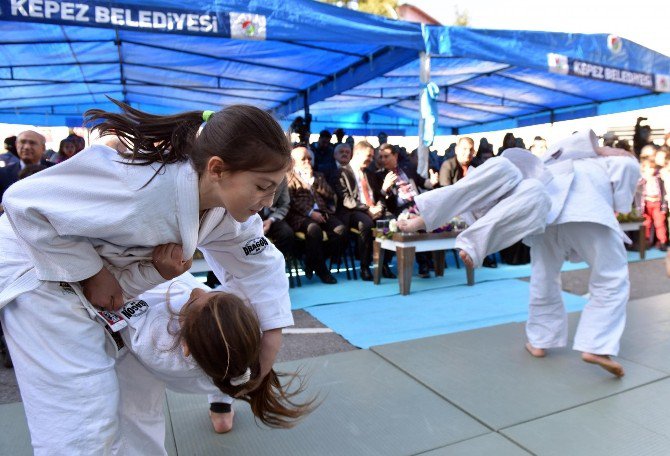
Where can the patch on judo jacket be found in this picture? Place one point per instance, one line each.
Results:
(134, 309)
(254, 246)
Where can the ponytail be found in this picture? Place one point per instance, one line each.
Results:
(149, 138)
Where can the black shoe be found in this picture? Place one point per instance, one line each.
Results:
(489, 263)
(424, 271)
(387, 273)
(663, 247)
(327, 278)
(366, 275)
(309, 272)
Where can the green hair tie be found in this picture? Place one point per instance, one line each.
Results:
(206, 115)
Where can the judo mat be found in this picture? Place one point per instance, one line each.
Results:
(470, 393)
(314, 293)
(376, 321)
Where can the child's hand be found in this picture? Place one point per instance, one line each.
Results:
(167, 259)
(103, 290)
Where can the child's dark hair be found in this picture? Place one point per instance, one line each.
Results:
(246, 138)
(224, 338)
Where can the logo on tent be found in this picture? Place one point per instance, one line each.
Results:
(614, 44)
(558, 63)
(247, 26)
(662, 83)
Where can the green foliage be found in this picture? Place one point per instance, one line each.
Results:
(384, 8)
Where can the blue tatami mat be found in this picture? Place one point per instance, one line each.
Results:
(314, 293)
(384, 320)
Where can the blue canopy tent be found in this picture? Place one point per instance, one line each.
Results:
(500, 79)
(353, 70)
(61, 58)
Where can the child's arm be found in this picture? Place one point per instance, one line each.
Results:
(166, 264)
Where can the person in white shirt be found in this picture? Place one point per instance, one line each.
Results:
(564, 207)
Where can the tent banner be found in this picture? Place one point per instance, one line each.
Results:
(133, 17)
(565, 65)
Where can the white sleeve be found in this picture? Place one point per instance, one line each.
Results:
(624, 175)
(36, 220)
(240, 255)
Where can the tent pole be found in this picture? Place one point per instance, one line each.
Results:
(422, 151)
(308, 116)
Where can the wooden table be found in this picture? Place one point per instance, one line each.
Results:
(406, 245)
(642, 241)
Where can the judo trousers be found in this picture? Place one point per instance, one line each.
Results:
(507, 207)
(67, 379)
(604, 317)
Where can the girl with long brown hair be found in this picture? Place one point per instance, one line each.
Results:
(196, 179)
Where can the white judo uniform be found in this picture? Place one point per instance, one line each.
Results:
(154, 362)
(56, 226)
(563, 207)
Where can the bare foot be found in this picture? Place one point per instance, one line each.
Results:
(536, 352)
(412, 225)
(467, 259)
(605, 362)
(222, 422)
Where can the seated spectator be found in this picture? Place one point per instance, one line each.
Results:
(351, 141)
(518, 142)
(485, 151)
(339, 135)
(30, 147)
(509, 141)
(342, 154)
(324, 160)
(623, 144)
(397, 187)
(539, 146)
(10, 146)
(274, 225)
(382, 138)
(79, 142)
(67, 149)
(610, 139)
(455, 168)
(311, 211)
(355, 203)
(654, 205)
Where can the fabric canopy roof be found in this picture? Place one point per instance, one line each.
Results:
(61, 58)
(354, 70)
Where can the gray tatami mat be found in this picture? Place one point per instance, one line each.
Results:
(486, 445)
(14, 435)
(636, 422)
(368, 407)
(488, 374)
(646, 339)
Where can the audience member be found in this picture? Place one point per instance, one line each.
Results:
(351, 141)
(382, 138)
(339, 135)
(10, 146)
(67, 149)
(324, 160)
(654, 205)
(342, 155)
(623, 144)
(398, 185)
(312, 212)
(274, 223)
(354, 213)
(539, 146)
(509, 141)
(518, 142)
(485, 151)
(642, 135)
(610, 139)
(30, 147)
(455, 168)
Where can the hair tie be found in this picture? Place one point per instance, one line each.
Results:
(206, 115)
(242, 379)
